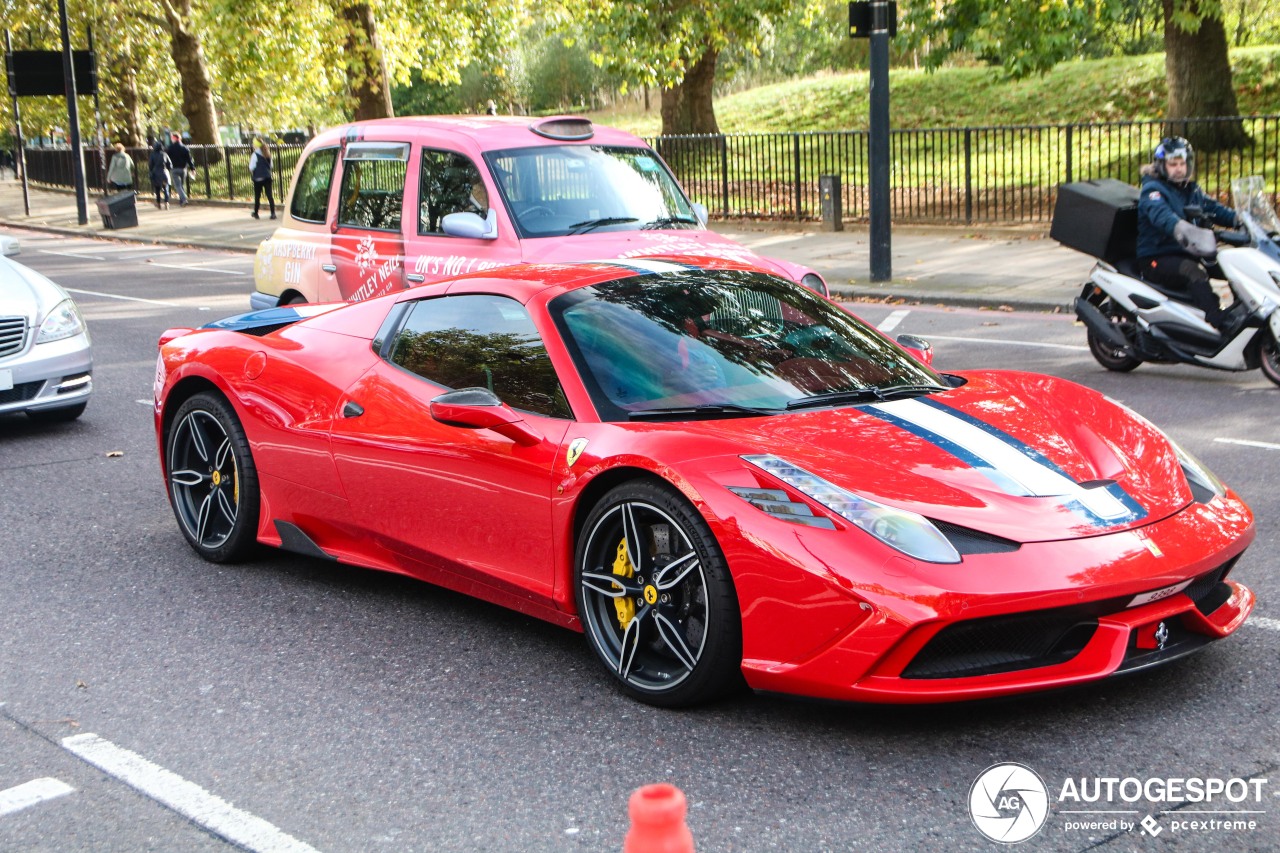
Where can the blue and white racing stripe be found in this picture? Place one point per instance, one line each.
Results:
(1013, 466)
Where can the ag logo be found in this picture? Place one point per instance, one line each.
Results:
(1008, 803)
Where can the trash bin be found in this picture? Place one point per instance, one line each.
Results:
(119, 210)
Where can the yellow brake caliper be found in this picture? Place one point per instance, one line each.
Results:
(625, 606)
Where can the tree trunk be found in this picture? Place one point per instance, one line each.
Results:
(126, 115)
(687, 107)
(193, 73)
(367, 67)
(1198, 71)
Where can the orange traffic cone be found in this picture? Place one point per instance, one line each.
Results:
(657, 821)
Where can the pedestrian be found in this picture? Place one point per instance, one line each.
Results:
(260, 169)
(120, 170)
(159, 166)
(180, 157)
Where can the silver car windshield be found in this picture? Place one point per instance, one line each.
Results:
(562, 190)
(718, 343)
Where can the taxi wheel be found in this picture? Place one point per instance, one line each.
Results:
(655, 596)
(213, 484)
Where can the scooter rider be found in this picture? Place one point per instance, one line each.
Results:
(1169, 247)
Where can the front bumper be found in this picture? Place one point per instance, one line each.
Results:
(1050, 615)
(259, 301)
(49, 376)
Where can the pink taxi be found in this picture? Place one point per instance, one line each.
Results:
(379, 206)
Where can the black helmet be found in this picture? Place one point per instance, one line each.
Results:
(1172, 147)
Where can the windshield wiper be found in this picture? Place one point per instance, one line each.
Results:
(864, 395)
(709, 410)
(587, 224)
(667, 222)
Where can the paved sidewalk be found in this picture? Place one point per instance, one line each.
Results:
(1015, 267)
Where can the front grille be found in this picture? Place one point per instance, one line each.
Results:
(1004, 644)
(13, 335)
(1208, 591)
(20, 392)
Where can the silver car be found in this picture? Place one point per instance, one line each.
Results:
(46, 365)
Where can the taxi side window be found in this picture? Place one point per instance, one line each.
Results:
(450, 183)
(484, 341)
(372, 194)
(311, 196)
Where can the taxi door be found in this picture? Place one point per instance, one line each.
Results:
(368, 244)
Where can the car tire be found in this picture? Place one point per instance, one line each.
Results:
(213, 483)
(664, 617)
(64, 415)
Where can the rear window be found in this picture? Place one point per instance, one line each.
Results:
(311, 196)
(372, 194)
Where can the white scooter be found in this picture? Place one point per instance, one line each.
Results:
(1130, 321)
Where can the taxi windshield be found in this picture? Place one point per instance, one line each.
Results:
(726, 343)
(563, 190)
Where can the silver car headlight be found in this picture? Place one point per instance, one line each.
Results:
(912, 534)
(64, 321)
(1205, 485)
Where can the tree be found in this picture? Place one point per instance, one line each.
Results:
(1028, 38)
(675, 44)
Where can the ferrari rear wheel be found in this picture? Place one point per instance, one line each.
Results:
(213, 484)
(656, 599)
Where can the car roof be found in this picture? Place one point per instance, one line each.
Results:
(486, 132)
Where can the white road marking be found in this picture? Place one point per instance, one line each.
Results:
(1265, 445)
(198, 269)
(125, 298)
(30, 793)
(1264, 622)
(891, 322)
(1010, 343)
(70, 255)
(186, 798)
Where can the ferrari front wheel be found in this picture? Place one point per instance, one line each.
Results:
(656, 599)
(213, 484)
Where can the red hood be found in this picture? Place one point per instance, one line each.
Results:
(970, 456)
(610, 245)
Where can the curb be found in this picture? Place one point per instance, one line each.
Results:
(129, 238)
(957, 300)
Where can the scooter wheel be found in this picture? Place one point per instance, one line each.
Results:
(1119, 360)
(1270, 359)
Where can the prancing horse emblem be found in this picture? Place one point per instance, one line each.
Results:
(575, 450)
(1162, 635)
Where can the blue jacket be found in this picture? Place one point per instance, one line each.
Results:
(1161, 206)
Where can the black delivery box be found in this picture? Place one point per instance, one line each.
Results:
(1099, 218)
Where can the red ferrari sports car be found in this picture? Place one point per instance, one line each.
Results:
(718, 476)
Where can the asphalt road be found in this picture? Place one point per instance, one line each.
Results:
(302, 704)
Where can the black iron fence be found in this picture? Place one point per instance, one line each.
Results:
(941, 175)
(218, 172)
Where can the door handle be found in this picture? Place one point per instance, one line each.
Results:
(329, 268)
(352, 409)
(415, 277)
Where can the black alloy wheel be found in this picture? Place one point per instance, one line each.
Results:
(213, 484)
(1120, 360)
(656, 599)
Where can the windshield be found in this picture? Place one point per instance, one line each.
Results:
(559, 190)
(1254, 203)
(719, 343)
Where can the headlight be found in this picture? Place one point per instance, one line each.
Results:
(1205, 486)
(814, 282)
(63, 321)
(904, 531)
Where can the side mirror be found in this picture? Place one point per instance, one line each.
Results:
(471, 225)
(919, 348)
(480, 408)
(10, 247)
(700, 211)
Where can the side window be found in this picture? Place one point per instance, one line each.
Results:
(372, 194)
(450, 184)
(311, 197)
(485, 341)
